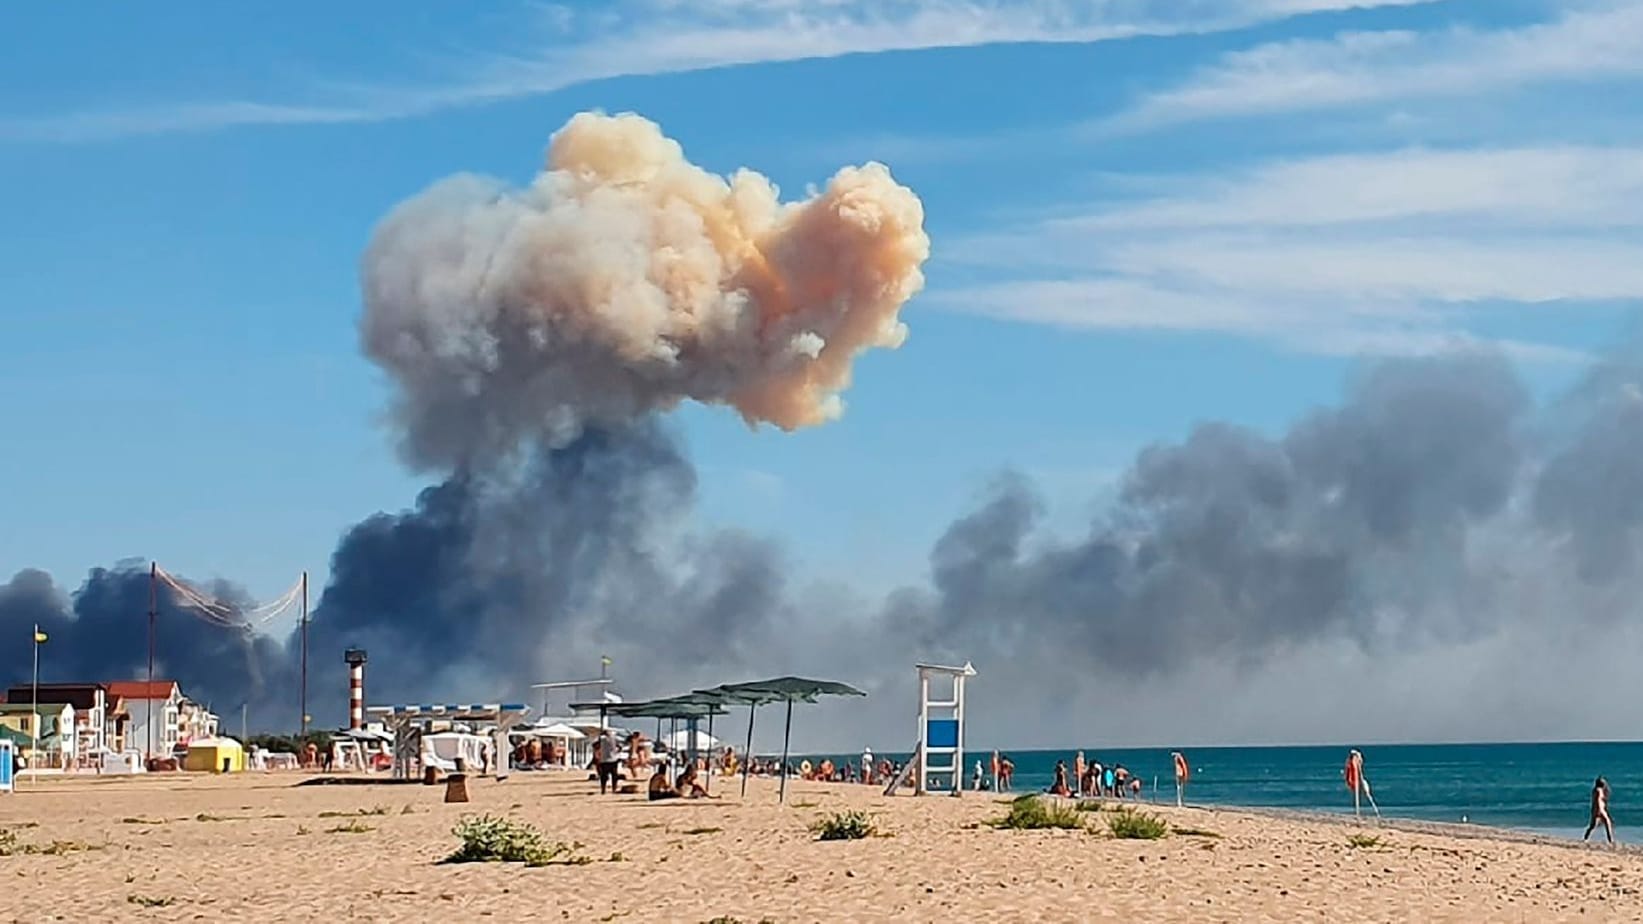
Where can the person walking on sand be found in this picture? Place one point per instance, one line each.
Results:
(1600, 810)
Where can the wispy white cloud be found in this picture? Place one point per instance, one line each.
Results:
(1593, 41)
(651, 37)
(1365, 253)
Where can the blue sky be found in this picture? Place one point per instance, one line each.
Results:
(1144, 213)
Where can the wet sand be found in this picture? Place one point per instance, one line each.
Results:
(257, 846)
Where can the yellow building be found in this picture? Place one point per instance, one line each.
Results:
(215, 755)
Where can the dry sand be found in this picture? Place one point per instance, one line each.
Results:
(258, 847)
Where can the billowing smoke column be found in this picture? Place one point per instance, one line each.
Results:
(533, 336)
(1423, 551)
(622, 281)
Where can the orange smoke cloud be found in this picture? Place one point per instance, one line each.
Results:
(624, 280)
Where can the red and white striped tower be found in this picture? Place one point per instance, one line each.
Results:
(356, 687)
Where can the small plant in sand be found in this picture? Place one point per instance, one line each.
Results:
(1363, 841)
(11, 847)
(488, 838)
(352, 827)
(142, 821)
(1129, 824)
(694, 831)
(1195, 832)
(1089, 805)
(361, 813)
(843, 826)
(147, 902)
(1031, 813)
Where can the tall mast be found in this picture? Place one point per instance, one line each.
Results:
(304, 694)
(153, 610)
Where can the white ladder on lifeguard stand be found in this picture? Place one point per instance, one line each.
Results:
(940, 751)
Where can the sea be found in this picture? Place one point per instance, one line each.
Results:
(1539, 788)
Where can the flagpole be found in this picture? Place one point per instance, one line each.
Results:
(34, 709)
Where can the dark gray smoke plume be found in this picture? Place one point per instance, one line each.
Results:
(1432, 558)
(532, 337)
(101, 634)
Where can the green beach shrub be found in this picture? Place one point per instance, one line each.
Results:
(843, 826)
(1129, 824)
(1031, 813)
(488, 839)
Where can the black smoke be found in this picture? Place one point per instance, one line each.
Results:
(1425, 542)
(101, 633)
(494, 580)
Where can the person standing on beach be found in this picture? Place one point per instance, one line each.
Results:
(604, 754)
(1600, 810)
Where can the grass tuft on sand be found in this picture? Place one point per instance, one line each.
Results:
(1130, 825)
(490, 839)
(843, 826)
(1032, 813)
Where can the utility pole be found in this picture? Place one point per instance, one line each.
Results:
(34, 710)
(153, 610)
(304, 694)
(243, 736)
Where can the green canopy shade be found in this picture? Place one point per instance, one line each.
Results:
(775, 690)
(690, 707)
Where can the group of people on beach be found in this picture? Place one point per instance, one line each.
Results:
(1092, 780)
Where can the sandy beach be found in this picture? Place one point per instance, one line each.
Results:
(181, 847)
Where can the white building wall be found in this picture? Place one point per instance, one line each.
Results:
(164, 715)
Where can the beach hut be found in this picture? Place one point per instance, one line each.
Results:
(775, 690)
(215, 755)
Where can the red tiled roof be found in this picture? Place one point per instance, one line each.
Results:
(142, 689)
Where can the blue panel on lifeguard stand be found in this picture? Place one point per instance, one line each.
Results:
(941, 733)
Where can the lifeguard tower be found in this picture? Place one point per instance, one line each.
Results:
(939, 758)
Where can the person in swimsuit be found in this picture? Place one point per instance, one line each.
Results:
(1600, 810)
(687, 785)
(1059, 788)
(659, 788)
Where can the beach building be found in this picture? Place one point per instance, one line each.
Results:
(195, 722)
(159, 703)
(91, 714)
(55, 732)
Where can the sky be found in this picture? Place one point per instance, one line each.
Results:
(1144, 214)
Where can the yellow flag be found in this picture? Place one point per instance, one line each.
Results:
(39, 637)
(605, 660)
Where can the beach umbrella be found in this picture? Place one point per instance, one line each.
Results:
(781, 689)
(690, 707)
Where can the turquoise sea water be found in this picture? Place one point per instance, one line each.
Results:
(1544, 788)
